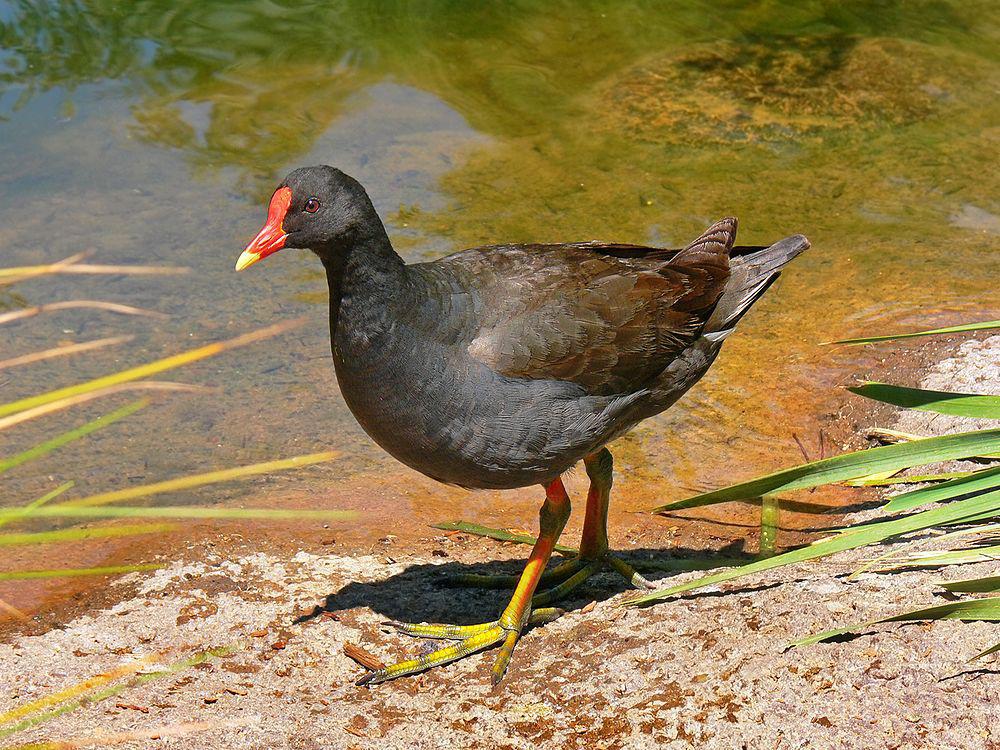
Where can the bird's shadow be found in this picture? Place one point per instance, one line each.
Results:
(422, 593)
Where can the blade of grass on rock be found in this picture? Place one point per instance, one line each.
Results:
(29, 312)
(850, 466)
(850, 538)
(199, 480)
(986, 585)
(65, 403)
(986, 325)
(80, 535)
(65, 438)
(941, 402)
(895, 436)
(970, 610)
(23, 575)
(148, 370)
(978, 481)
(991, 650)
(907, 479)
(98, 688)
(948, 557)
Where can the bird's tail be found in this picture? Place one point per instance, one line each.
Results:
(751, 271)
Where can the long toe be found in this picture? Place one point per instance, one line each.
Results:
(585, 569)
(627, 572)
(489, 637)
(444, 632)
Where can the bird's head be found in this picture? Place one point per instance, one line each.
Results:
(316, 208)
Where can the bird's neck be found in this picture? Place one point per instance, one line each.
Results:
(365, 276)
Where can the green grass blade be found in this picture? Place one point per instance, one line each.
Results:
(985, 585)
(95, 690)
(951, 557)
(991, 650)
(770, 514)
(970, 610)
(851, 466)
(183, 511)
(22, 575)
(933, 332)
(851, 538)
(895, 436)
(908, 479)
(978, 481)
(79, 535)
(501, 535)
(26, 510)
(59, 441)
(940, 402)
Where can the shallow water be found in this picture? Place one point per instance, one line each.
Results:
(153, 132)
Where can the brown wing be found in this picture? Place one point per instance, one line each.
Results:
(608, 317)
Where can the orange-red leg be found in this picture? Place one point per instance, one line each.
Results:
(552, 518)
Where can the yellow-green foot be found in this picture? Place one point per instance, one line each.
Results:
(471, 638)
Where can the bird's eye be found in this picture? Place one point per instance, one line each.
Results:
(312, 205)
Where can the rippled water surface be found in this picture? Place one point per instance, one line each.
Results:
(153, 132)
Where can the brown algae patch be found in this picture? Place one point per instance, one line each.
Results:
(724, 92)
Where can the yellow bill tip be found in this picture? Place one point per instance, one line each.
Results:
(246, 259)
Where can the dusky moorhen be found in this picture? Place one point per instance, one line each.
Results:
(503, 366)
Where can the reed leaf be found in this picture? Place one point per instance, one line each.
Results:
(22, 274)
(895, 436)
(65, 403)
(935, 559)
(986, 585)
(970, 610)
(23, 575)
(182, 511)
(65, 438)
(147, 370)
(98, 688)
(770, 518)
(980, 506)
(63, 351)
(991, 650)
(978, 481)
(850, 466)
(38, 502)
(199, 480)
(80, 535)
(986, 325)
(29, 312)
(940, 402)
(907, 479)
(501, 535)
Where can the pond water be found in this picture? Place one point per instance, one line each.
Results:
(153, 132)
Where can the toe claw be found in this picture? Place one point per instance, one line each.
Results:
(368, 679)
